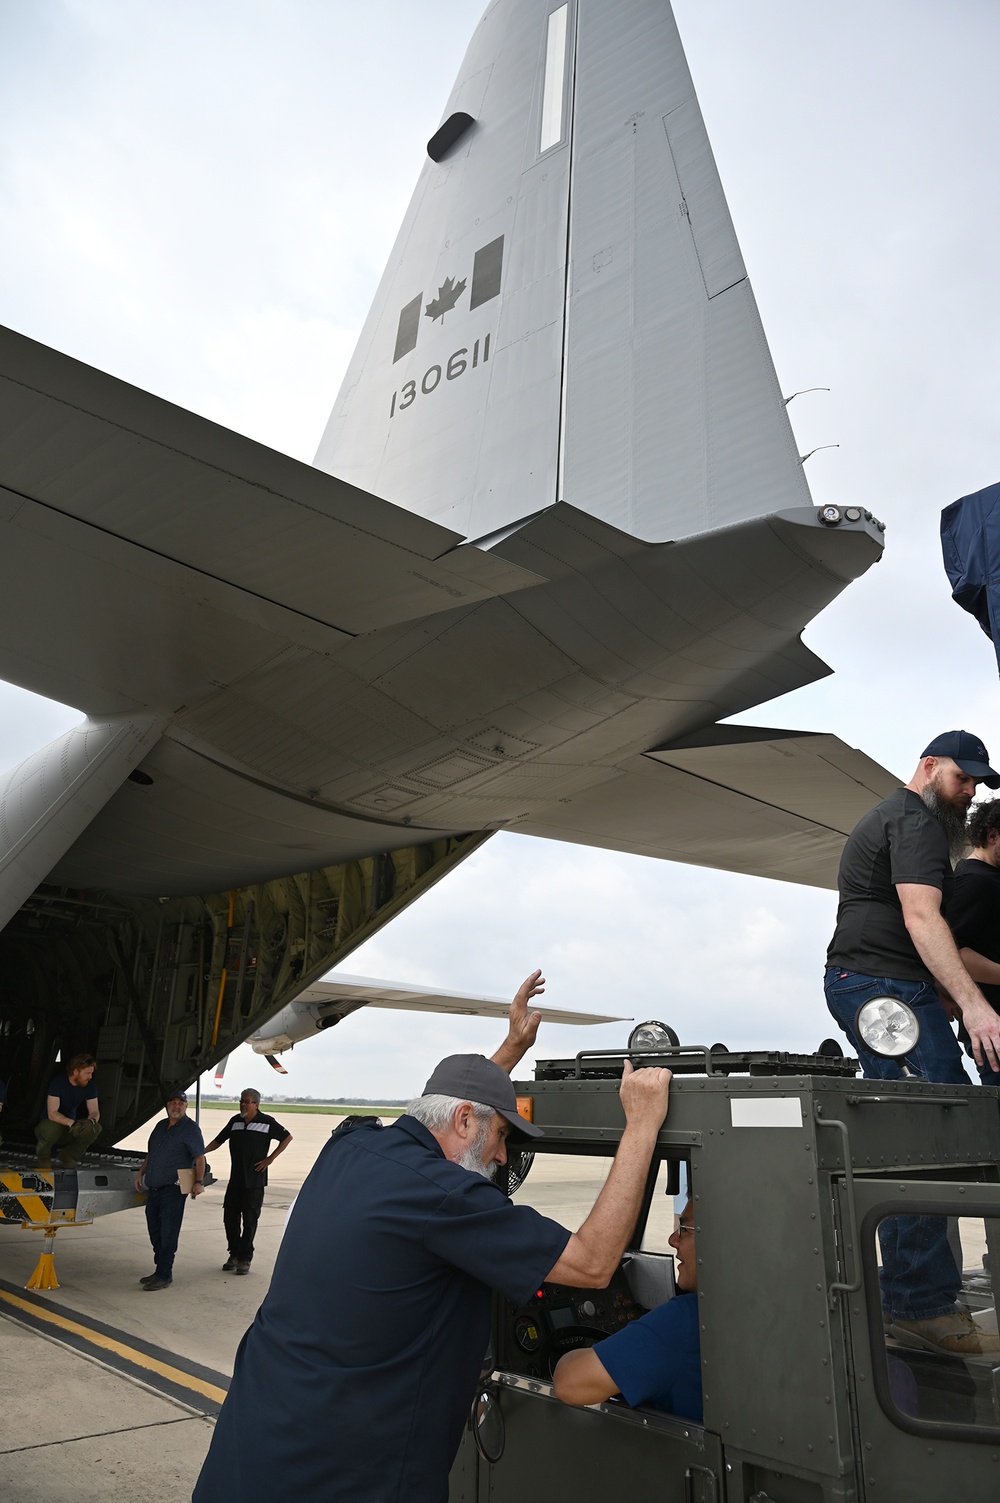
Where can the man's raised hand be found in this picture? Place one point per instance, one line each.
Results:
(522, 1025)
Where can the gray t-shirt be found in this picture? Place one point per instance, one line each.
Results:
(897, 841)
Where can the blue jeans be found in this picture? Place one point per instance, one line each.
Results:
(936, 1056)
(919, 1275)
(164, 1214)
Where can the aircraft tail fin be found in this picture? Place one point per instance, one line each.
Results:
(566, 313)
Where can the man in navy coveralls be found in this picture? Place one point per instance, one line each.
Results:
(355, 1380)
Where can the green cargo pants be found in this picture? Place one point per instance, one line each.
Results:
(70, 1145)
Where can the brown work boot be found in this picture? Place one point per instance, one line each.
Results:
(956, 1334)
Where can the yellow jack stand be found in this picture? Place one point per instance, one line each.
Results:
(44, 1276)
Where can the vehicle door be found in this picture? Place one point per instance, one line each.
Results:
(530, 1444)
(928, 1421)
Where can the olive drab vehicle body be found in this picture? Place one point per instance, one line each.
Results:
(793, 1165)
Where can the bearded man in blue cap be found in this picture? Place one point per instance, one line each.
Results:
(892, 940)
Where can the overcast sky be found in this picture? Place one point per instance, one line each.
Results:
(200, 197)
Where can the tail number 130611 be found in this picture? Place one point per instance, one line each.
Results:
(457, 365)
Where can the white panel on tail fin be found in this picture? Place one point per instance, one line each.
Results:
(451, 403)
(674, 419)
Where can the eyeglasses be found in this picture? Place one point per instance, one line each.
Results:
(684, 1230)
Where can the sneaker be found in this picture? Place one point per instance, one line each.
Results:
(229, 1265)
(151, 1285)
(955, 1334)
(243, 1268)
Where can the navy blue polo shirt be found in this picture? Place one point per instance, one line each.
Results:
(172, 1146)
(657, 1360)
(357, 1375)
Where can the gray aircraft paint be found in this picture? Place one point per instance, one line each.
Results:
(625, 331)
(344, 692)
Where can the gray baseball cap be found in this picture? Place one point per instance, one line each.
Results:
(473, 1077)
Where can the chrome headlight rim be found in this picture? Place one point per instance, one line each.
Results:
(888, 1027)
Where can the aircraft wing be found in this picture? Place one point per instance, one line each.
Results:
(367, 992)
(149, 525)
(326, 1003)
(773, 803)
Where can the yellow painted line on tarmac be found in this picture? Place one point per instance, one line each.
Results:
(120, 1348)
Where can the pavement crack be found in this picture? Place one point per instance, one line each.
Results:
(71, 1440)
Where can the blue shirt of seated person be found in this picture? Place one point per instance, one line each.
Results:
(655, 1360)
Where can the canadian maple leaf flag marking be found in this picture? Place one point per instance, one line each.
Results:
(448, 295)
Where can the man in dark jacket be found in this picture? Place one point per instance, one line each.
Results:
(354, 1382)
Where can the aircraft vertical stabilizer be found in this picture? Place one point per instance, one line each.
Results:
(566, 314)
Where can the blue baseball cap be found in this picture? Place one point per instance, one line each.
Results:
(968, 751)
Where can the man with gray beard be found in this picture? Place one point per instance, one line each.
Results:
(892, 940)
(354, 1382)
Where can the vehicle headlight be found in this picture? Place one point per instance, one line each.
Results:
(652, 1035)
(887, 1026)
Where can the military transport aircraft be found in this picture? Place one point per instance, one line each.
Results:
(557, 532)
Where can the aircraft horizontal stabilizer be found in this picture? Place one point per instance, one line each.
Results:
(772, 803)
(135, 511)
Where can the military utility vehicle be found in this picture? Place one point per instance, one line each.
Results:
(794, 1164)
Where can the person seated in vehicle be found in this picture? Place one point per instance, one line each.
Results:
(655, 1360)
(72, 1117)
